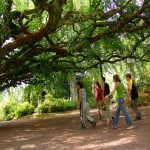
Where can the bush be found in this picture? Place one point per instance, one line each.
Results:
(44, 107)
(57, 105)
(8, 110)
(24, 109)
(12, 109)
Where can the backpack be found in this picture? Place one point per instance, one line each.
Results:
(106, 89)
(134, 92)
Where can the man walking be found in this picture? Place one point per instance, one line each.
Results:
(133, 96)
(106, 92)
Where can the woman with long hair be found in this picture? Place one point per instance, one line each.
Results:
(98, 95)
(120, 94)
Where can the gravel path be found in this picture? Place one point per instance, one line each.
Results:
(62, 132)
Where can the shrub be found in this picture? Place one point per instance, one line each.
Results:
(8, 110)
(12, 109)
(57, 105)
(24, 109)
(44, 107)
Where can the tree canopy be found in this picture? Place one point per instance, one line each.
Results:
(47, 36)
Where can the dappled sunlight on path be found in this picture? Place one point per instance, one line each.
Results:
(63, 132)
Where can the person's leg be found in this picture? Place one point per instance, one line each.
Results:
(100, 110)
(108, 112)
(82, 115)
(87, 115)
(135, 109)
(116, 117)
(125, 112)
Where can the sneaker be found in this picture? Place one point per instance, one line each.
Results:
(130, 127)
(116, 127)
(94, 124)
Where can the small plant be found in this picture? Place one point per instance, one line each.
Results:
(8, 110)
(44, 107)
(24, 109)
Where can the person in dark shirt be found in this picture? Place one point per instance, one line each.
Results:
(106, 89)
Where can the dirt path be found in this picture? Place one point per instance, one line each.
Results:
(63, 132)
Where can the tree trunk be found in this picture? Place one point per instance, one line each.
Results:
(101, 70)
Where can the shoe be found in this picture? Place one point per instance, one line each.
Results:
(137, 118)
(83, 128)
(130, 127)
(116, 127)
(94, 124)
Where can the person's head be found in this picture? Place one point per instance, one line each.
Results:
(128, 76)
(97, 84)
(116, 78)
(103, 79)
(79, 85)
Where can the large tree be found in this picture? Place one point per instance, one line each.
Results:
(58, 35)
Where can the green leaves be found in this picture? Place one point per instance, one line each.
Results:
(51, 37)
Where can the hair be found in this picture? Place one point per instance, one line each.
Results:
(116, 78)
(103, 78)
(98, 84)
(128, 75)
(80, 84)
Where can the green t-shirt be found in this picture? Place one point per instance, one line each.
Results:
(120, 91)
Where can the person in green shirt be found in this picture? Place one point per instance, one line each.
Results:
(120, 94)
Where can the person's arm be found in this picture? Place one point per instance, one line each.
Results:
(112, 92)
(128, 95)
(128, 90)
(96, 94)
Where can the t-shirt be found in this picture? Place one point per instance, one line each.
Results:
(133, 89)
(106, 89)
(120, 91)
(84, 95)
(98, 94)
(129, 84)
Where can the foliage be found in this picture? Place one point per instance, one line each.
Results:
(12, 109)
(49, 37)
(32, 94)
(8, 110)
(57, 105)
(24, 109)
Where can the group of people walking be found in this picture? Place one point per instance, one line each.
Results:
(103, 95)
